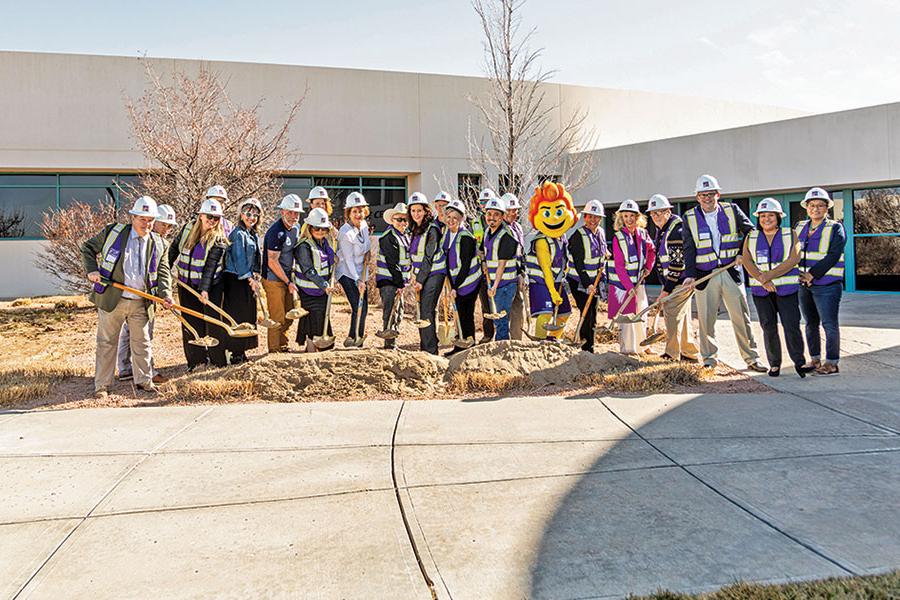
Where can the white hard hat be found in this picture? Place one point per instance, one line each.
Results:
(217, 191)
(389, 214)
(145, 206)
(707, 183)
(417, 198)
(594, 207)
(166, 215)
(629, 205)
(317, 193)
(291, 202)
(658, 202)
(768, 205)
(817, 193)
(355, 199)
(457, 205)
(211, 207)
(510, 201)
(443, 196)
(251, 202)
(486, 194)
(317, 217)
(495, 203)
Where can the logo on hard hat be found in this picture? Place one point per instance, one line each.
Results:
(296, 204)
(147, 207)
(705, 184)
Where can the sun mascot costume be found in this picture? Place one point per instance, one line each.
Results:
(552, 214)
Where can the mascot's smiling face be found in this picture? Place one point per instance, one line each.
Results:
(551, 210)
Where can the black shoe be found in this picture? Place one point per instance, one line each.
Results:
(774, 371)
(802, 370)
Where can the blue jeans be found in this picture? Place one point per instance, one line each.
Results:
(503, 302)
(819, 305)
(352, 292)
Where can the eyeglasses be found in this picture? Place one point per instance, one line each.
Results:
(400, 220)
(706, 195)
(250, 212)
(314, 228)
(212, 218)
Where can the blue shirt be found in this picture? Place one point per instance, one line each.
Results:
(283, 240)
(242, 256)
(134, 263)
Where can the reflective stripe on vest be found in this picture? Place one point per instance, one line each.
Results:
(191, 262)
(491, 252)
(814, 246)
(452, 250)
(729, 244)
(559, 260)
(767, 257)
(323, 263)
(594, 249)
(417, 252)
(383, 272)
(662, 243)
(634, 258)
(109, 255)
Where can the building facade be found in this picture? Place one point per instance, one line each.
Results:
(65, 136)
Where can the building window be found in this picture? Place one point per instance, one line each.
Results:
(468, 186)
(380, 192)
(876, 239)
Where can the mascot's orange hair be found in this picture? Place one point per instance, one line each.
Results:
(549, 192)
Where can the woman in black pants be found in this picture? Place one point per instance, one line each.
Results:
(464, 266)
(429, 266)
(771, 255)
(199, 258)
(314, 260)
(242, 265)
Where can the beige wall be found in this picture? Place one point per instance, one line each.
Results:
(66, 113)
(856, 147)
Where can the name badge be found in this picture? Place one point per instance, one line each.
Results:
(112, 255)
(287, 242)
(762, 258)
(703, 235)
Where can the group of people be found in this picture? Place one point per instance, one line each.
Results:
(443, 249)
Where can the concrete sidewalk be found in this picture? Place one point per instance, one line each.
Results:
(535, 497)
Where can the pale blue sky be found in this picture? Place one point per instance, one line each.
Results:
(817, 56)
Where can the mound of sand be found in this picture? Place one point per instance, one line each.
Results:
(544, 363)
(371, 373)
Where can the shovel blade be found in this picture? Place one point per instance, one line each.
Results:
(652, 339)
(205, 342)
(387, 334)
(464, 344)
(323, 342)
(269, 323)
(422, 323)
(296, 313)
(554, 327)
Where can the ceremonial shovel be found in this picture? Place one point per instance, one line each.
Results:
(234, 325)
(446, 335)
(576, 340)
(325, 341)
(553, 325)
(680, 290)
(298, 312)
(493, 315)
(618, 318)
(262, 305)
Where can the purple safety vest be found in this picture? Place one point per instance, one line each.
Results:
(473, 277)
(114, 253)
(812, 250)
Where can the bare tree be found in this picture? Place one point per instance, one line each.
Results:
(524, 141)
(195, 137)
(11, 225)
(65, 230)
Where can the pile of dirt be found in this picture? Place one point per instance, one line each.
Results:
(542, 363)
(336, 375)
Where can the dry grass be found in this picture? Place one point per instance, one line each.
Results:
(21, 302)
(19, 385)
(654, 378)
(879, 587)
(474, 382)
(210, 390)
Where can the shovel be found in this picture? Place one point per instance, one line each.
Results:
(218, 309)
(358, 341)
(460, 341)
(231, 332)
(493, 315)
(298, 312)
(445, 334)
(679, 291)
(204, 342)
(655, 336)
(325, 341)
(419, 321)
(554, 325)
(576, 339)
(262, 307)
(394, 319)
(526, 305)
(618, 318)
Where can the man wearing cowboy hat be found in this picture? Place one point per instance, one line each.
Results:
(394, 263)
(131, 254)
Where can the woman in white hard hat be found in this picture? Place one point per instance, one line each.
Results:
(354, 248)
(318, 198)
(464, 268)
(632, 259)
(217, 192)
(771, 255)
(198, 257)
(429, 266)
(393, 266)
(669, 242)
(587, 254)
(314, 260)
(440, 203)
(243, 261)
(822, 243)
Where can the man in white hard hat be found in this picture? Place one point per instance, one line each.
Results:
(517, 312)
(440, 203)
(478, 224)
(670, 271)
(130, 254)
(163, 225)
(822, 242)
(713, 236)
(277, 267)
(587, 258)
